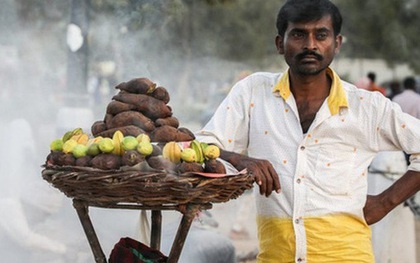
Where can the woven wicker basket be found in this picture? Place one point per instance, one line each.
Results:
(147, 188)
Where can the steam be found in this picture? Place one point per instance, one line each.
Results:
(38, 222)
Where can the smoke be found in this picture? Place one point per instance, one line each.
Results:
(38, 222)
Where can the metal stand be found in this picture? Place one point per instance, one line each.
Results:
(189, 211)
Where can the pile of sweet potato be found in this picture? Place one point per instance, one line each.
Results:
(141, 107)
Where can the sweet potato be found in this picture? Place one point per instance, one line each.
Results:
(84, 161)
(126, 130)
(183, 134)
(98, 127)
(160, 163)
(137, 86)
(185, 167)
(214, 166)
(162, 94)
(131, 118)
(131, 157)
(171, 121)
(54, 158)
(107, 119)
(66, 159)
(164, 133)
(156, 150)
(115, 107)
(106, 161)
(149, 106)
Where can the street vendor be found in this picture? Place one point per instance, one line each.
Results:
(309, 138)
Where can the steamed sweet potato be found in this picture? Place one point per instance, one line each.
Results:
(168, 133)
(115, 107)
(67, 159)
(149, 106)
(185, 167)
(162, 94)
(106, 161)
(183, 134)
(131, 157)
(171, 121)
(156, 150)
(214, 166)
(131, 118)
(98, 127)
(107, 119)
(137, 86)
(54, 158)
(164, 133)
(84, 161)
(160, 163)
(126, 130)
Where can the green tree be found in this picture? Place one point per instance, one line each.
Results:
(382, 29)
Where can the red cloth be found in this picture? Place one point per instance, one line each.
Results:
(128, 250)
(374, 87)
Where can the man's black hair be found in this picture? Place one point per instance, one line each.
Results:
(305, 11)
(372, 76)
(409, 83)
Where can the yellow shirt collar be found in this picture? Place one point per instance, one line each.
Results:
(336, 99)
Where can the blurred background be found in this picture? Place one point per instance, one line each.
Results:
(60, 61)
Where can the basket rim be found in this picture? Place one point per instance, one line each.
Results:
(145, 187)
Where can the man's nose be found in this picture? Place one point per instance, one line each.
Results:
(311, 43)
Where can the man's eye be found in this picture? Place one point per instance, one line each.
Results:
(298, 35)
(321, 36)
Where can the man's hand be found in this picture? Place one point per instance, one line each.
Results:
(262, 170)
(378, 206)
(374, 209)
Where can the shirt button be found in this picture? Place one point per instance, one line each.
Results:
(297, 221)
(302, 148)
(300, 260)
(298, 181)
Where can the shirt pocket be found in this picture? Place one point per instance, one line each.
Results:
(334, 169)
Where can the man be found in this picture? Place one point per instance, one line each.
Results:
(372, 84)
(409, 99)
(315, 135)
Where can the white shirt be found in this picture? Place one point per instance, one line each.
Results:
(409, 101)
(322, 173)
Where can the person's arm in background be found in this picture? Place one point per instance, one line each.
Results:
(378, 206)
(262, 170)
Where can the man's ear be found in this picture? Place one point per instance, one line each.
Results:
(338, 42)
(279, 44)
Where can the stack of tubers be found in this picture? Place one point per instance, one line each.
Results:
(140, 107)
(138, 126)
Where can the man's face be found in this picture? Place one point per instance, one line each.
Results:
(309, 47)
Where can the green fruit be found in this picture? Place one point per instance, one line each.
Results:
(67, 136)
(211, 152)
(196, 146)
(145, 148)
(56, 145)
(203, 145)
(106, 145)
(80, 150)
(93, 149)
(189, 155)
(69, 145)
(143, 137)
(129, 143)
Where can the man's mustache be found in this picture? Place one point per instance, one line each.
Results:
(309, 53)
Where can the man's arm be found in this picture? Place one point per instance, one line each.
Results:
(378, 206)
(262, 170)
